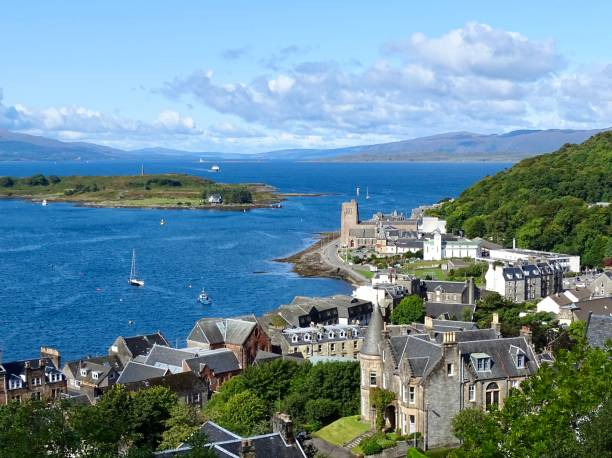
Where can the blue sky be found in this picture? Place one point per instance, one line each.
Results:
(254, 76)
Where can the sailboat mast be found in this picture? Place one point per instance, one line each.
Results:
(133, 271)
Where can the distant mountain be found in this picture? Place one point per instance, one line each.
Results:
(22, 147)
(455, 146)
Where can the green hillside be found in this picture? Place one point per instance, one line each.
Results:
(544, 202)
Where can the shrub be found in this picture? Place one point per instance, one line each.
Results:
(54, 179)
(370, 446)
(323, 411)
(37, 180)
(6, 182)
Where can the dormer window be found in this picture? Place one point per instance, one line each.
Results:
(320, 335)
(14, 384)
(307, 337)
(355, 332)
(520, 361)
(94, 375)
(342, 334)
(482, 362)
(294, 338)
(331, 334)
(83, 372)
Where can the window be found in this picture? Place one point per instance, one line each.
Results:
(331, 335)
(412, 424)
(354, 344)
(319, 348)
(411, 395)
(83, 372)
(320, 335)
(294, 338)
(343, 346)
(94, 375)
(483, 364)
(492, 395)
(36, 381)
(514, 384)
(449, 369)
(35, 396)
(307, 337)
(332, 346)
(372, 378)
(14, 384)
(342, 334)
(520, 361)
(472, 393)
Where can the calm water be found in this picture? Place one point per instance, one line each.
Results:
(64, 269)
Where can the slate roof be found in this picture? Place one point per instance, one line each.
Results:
(363, 232)
(456, 287)
(437, 309)
(183, 382)
(266, 357)
(17, 368)
(136, 372)
(223, 330)
(598, 330)
(220, 361)
(100, 364)
(227, 444)
(140, 345)
(408, 243)
(373, 341)
(599, 306)
(325, 333)
(502, 357)
(168, 358)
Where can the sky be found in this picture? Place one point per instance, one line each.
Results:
(245, 76)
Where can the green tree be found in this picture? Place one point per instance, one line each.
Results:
(479, 432)
(150, 409)
(245, 413)
(6, 182)
(184, 421)
(409, 310)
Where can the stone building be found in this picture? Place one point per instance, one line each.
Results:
(524, 282)
(339, 309)
(129, 348)
(91, 376)
(601, 286)
(245, 336)
(336, 340)
(435, 374)
(37, 379)
(445, 246)
(450, 292)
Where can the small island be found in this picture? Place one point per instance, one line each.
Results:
(141, 191)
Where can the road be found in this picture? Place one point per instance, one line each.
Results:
(329, 255)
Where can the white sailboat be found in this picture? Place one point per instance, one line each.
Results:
(44, 203)
(215, 168)
(367, 193)
(134, 281)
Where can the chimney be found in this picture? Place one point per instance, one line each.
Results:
(471, 291)
(282, 423)
(526, 333)
(429, 327)
(246, 449)
(52, 354)
(495, 323)
(449, 338)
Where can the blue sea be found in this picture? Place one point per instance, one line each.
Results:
(64, 268)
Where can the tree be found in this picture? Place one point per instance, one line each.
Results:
(409, 310)
(150, 409)
(245, 413)
(184, 421)
(6, 182)
(562, 410)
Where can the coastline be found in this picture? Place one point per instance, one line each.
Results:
(310, 262)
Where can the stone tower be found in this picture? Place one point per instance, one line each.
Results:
(371, 363)
(349, 220)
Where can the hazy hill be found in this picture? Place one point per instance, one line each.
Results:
(456, 146)
(545, 202)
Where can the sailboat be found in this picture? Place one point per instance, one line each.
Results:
(367, 193)
(134, 281)
(44, 203)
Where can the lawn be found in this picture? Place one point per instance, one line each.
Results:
(366, 273)
(342, 430)
(434, 273)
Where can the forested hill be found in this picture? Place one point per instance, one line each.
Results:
(545, 202)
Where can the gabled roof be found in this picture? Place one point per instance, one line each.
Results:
(599, 330)
(136, 372)
(17, 368)
(140, 345)
(168, 358)
(437, 309)
(223, 330)
(220, 361)
(103, 365)
(455, 287)
(599, 306)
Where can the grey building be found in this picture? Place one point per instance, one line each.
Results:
(450, 292)
(339, 309)
(434, 375)
(91, 376)
(129, 348)
(522, 282)
(601, 286)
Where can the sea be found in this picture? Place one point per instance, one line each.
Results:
(64, 268)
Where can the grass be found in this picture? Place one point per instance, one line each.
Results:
(434, 273)
(156, 190)
(366, 273)
(438, 452)
(342, 430)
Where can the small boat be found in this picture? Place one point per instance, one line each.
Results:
(134, 280)
(44, 203)
(204, 298)
(215, 168)
(162, 222)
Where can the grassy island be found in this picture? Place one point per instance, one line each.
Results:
(140, 191)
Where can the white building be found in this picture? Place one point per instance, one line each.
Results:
(445, 247)
(429, 224)
(570, 263)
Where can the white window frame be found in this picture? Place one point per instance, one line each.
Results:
(450, 369)
(411, 395)
(472, 393)
(520, 361)
(373, 377)
(83, 372)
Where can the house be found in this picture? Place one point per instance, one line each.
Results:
(215, 199)
(570, 306)
(449, 311)
(598, 330)
(601, 286)
(37, 379)
(434, 375)
(445, 246)
(523, 282)
(243, 335)
(129, 348)
(90, 376)
(569, 263)
(280, 443)
(187, 386)
(335, 340)
(338, 309)
(450, 292)
(430, 224)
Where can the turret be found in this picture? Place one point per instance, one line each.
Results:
(371, 363)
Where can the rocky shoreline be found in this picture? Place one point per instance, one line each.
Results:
(310, 263)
